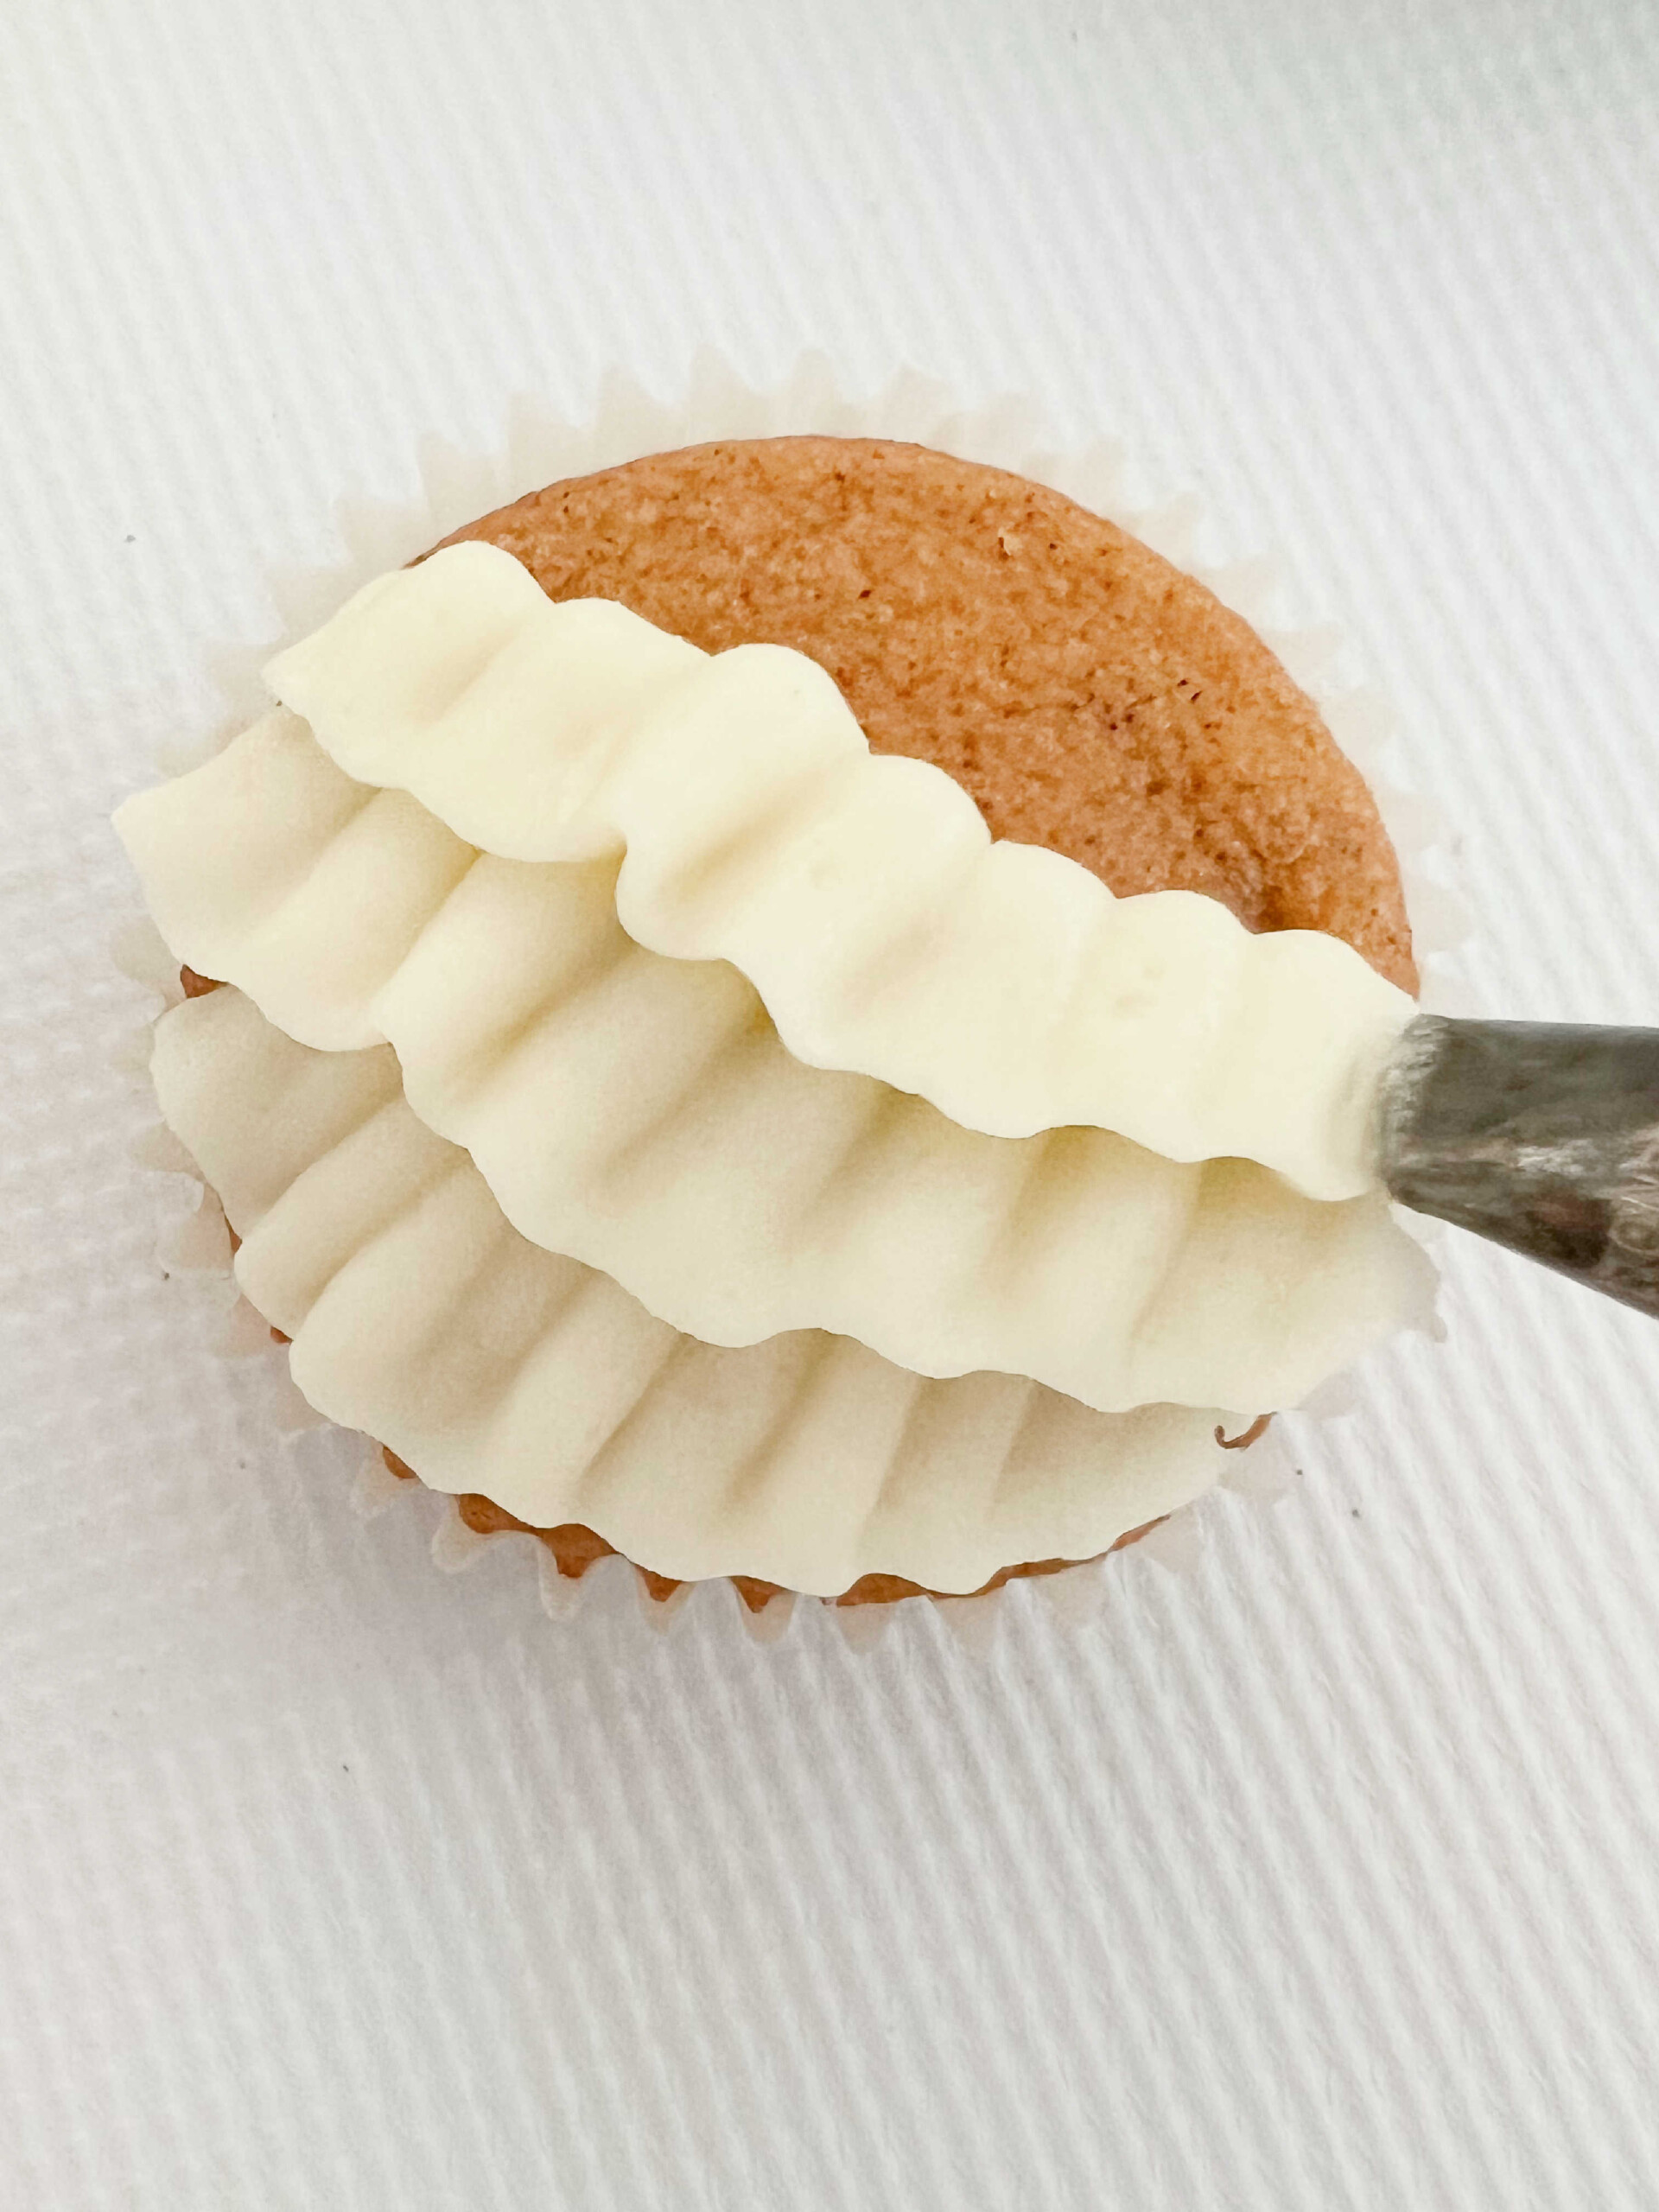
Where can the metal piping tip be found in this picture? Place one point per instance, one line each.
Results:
(1540, 1136)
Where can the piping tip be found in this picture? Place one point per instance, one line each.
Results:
(1540, 1137)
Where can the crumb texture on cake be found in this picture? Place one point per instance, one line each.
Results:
(1088, 694)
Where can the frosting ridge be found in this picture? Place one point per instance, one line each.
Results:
(861, 894)
(417, 1314)
(641, 1114)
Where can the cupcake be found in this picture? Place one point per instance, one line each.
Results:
(799, 1009)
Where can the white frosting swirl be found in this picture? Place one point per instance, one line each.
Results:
(861, 894)
(419, 1315)
(642, 1115)
(846, 1192)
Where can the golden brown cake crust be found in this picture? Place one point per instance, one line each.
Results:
(1089, 696)
(575, 1548)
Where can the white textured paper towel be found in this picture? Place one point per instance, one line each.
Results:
(1321, 1877)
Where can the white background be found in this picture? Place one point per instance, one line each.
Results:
(1324, 1875)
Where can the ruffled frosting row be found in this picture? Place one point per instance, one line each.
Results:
(641, 1114)
(861, 894)
(643, 1105)
(418, 1314)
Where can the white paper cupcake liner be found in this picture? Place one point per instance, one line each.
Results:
(456, 486)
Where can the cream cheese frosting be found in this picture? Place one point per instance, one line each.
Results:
(641, 1114)
(418, 1314)
(861, 894)
(644, 1106)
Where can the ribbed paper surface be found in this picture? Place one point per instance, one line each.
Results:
(1325, 1874)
